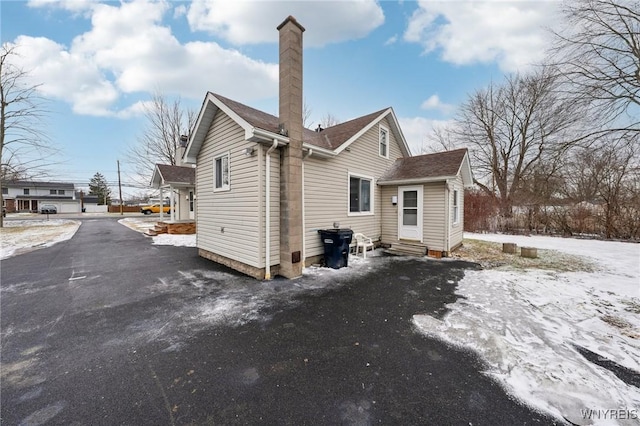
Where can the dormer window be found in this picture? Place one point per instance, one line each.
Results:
(383, 142)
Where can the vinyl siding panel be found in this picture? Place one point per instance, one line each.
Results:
(275, 206)
(326, 188)
(457, 229)
(433, 219)
(228, 221)
(389, 215)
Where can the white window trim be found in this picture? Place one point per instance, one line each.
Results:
(386, 129)
(371, 190)
(226, 187)
(455, 204)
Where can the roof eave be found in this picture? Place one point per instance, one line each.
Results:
(255, 134)
(415, 180)
(317, 151)
(156, 177)
(465, 171)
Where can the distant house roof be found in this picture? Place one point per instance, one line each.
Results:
(260, 126)
(38, 184)
(42, 197)
(430, 167)
(165, 174)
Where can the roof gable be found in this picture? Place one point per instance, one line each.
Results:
(259, 125)
(165, 174)
(430, 167)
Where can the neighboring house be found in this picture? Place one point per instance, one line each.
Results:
(266, 185)
(179, 181)
(28, 196)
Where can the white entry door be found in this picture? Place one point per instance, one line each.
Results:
(410, 213)
(192, 203)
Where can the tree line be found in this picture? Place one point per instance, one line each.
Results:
(557, 149)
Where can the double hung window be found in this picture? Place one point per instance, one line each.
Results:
(221, 173)
(360, 194)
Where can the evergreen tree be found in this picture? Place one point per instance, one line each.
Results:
(98, 186)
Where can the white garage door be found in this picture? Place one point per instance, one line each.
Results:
(73, 207)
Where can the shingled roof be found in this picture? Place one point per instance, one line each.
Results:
(330, 138)
(334, 136)
(440, 165)
(180, 175)
(254, 117)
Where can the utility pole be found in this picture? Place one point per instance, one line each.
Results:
(120, 189)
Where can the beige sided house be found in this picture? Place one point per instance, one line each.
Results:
(266, 185)
(179, 181)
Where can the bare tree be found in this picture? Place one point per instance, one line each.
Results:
(306, 114)
(24, 146)
(605, 179)
(511, 129)
(159, 142)
(598, 51)
(329, 120)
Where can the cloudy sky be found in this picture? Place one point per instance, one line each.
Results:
(99, 62)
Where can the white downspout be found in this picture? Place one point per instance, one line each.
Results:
(447, 225)
(304, 229)
(267, 225)
(161, 205)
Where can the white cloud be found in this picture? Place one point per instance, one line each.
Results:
(434, 103)
(418, 131)
(70, 5)
(391, 40)
(511, 33)
(252, 22)
(65, 76)
(129, 51)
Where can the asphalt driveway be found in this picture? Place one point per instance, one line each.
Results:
(107, 328)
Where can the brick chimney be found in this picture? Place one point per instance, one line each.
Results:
(290, 99)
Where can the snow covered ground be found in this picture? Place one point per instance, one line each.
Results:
(144, 224)
(18, 236)
(526, 324)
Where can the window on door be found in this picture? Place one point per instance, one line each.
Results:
(360, 194)
(410, 208)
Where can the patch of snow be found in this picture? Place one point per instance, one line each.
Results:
(23, 235)
(175, 240)
(525, 325)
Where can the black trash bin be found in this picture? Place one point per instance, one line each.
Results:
(336, 246)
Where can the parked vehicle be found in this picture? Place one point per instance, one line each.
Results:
(155, 208)
(48, 208)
